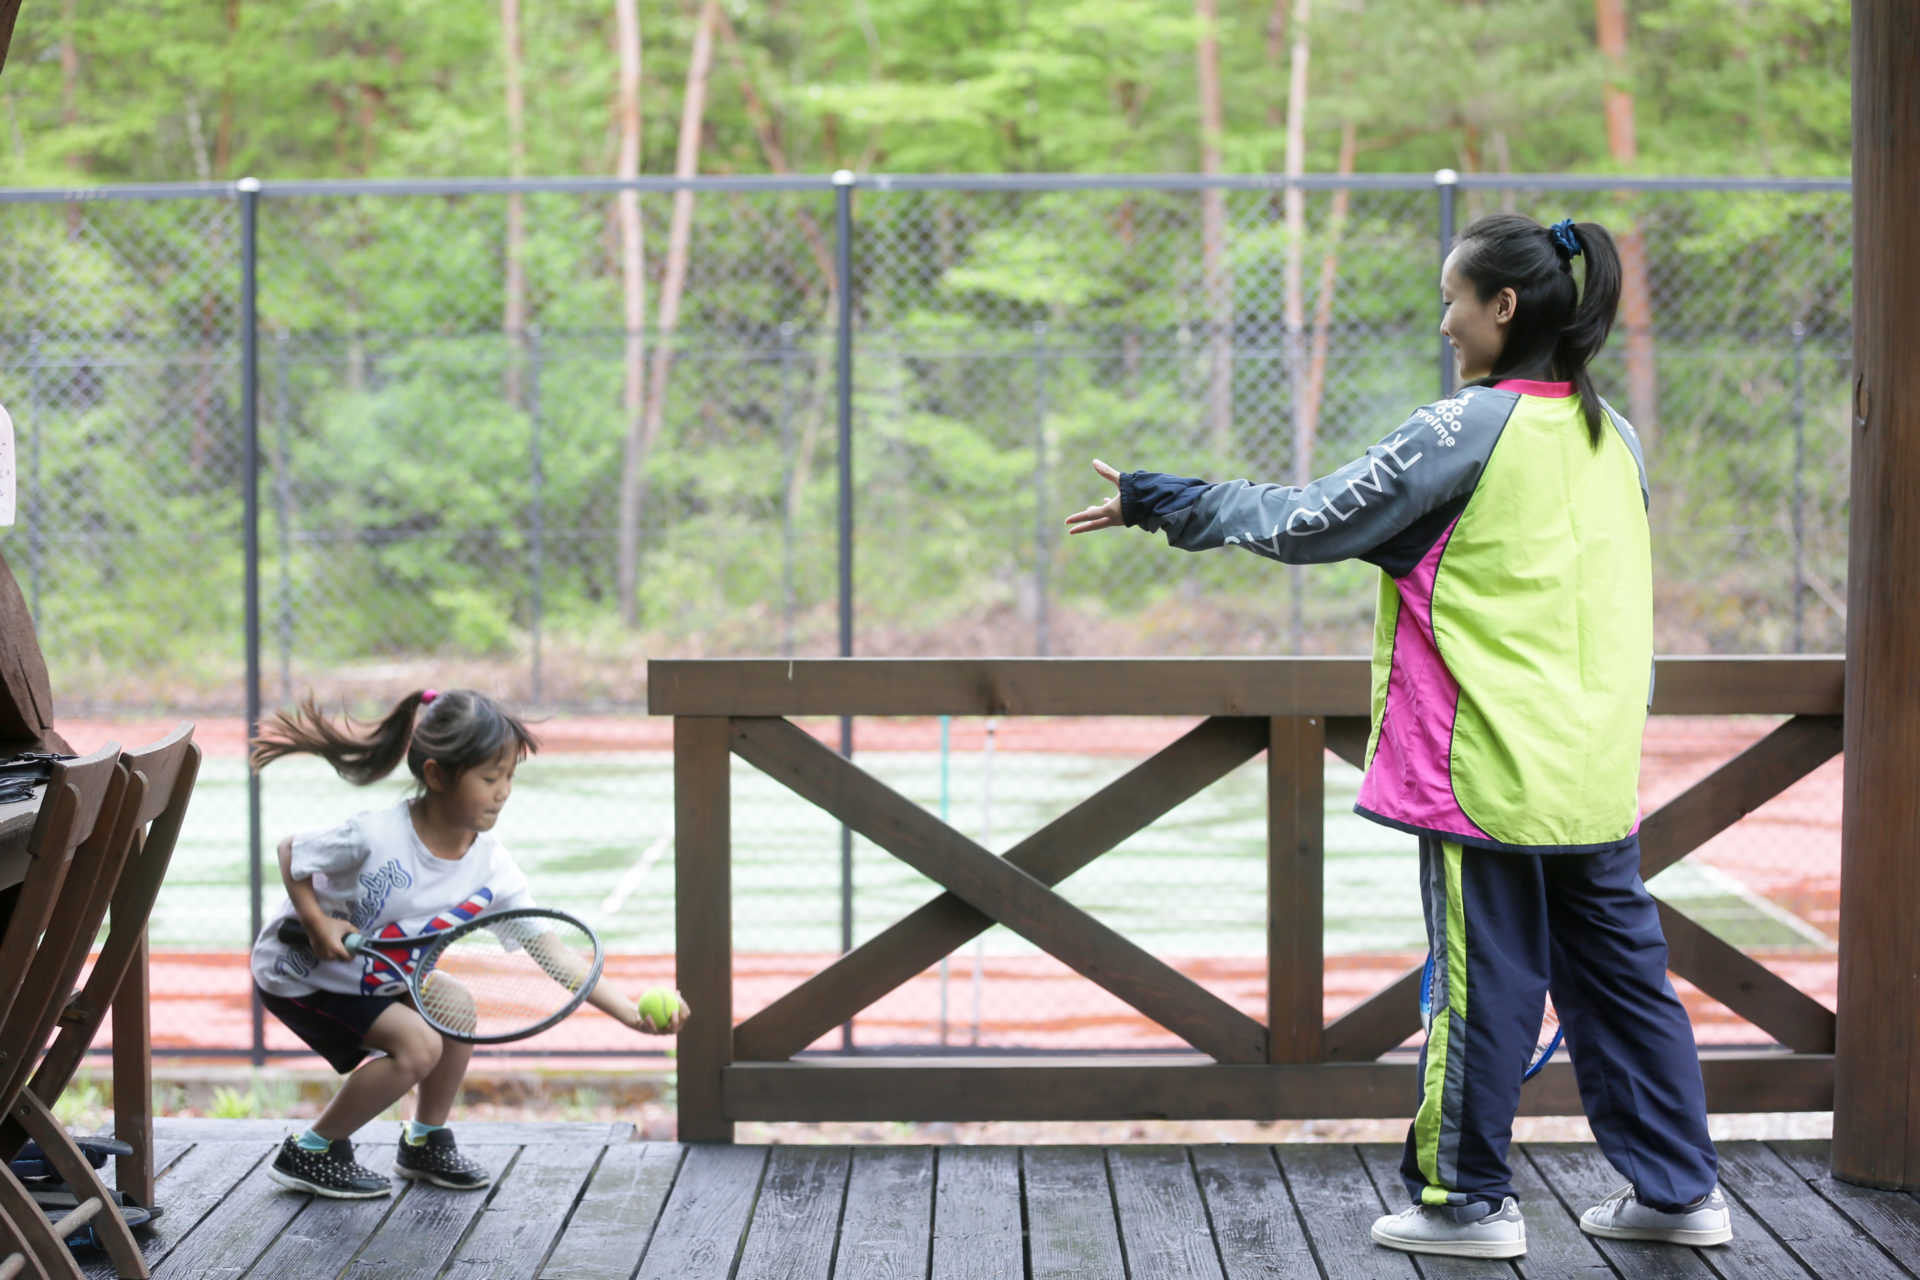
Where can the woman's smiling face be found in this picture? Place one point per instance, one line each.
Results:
(1476, 328)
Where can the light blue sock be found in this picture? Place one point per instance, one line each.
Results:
(311, 1141)
(417, 1132)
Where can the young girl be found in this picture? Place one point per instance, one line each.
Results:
(431, 857)
(1513, 654)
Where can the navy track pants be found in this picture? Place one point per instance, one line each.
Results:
(1507, 928)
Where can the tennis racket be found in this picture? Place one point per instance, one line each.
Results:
(497, 978)
(1544, 1045)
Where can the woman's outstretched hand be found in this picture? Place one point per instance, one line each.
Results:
(1104, 516)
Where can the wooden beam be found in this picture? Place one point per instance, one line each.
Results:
(1347, 738)
(1160, 686)
(703, 921)
(1296, 906)
(1379, 1023)
(1876, 1122)
(1187, 1087)
(1746, 986)
(995, 887)
(1145, 793)
(1735, 789)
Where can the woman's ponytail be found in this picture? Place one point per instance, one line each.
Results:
(1586, 330)
(359, 756)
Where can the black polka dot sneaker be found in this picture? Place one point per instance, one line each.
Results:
(436, 1159)
(332, 1172)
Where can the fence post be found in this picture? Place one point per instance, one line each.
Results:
(843, 180)
(1447, 182)
(786, 485)
(248, 191)
(703, 921)
(1042, 526)
(283, 507)
(1799, 487)
(537, 511)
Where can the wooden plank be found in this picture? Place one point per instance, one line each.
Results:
(703, 922)
(977, 1232)
(1557, 1249)
(1296, 907)
(523, 1217)
(798, 1216)
(609, 1231)
(1735, 789)
(1581, 1177)
(887, 1230)
(1822, 1238)
(1382, 1163)
(1889, 1217)
(1071, 1232)
(1347, 738)
(997, 888)
(1746, 986)
(1189, 1087)
(233, 1236)
(325, 1236)
(1254, 1223)
(1378, 1024)
(383, 1133)
(1163, 1220)
(1009, 686)
(195, 1186)
(1338, 1205)
(700, 1230)
(1145, 793)
(1162, 686)
(133, 1077)
(424, 1227)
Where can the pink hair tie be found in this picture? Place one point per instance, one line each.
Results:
(428, 695)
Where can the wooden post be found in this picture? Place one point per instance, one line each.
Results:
(703, 915)
(133, 1079)
(1876, 1122)
(1296, 821)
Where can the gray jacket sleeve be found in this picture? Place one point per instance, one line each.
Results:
(1367, 509)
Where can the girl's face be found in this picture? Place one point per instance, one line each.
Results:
(473, 801)
(1477, 330)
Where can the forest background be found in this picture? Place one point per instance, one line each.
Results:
(677, 356)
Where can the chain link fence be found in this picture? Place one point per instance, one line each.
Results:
(446, 386)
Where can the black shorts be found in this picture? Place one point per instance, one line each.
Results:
(333, 1026)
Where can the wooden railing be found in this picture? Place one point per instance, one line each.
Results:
(1295, 1065)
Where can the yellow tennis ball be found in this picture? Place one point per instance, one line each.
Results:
(658, 1007)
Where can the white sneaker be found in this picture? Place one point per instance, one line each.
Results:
(1424, 1228)
(1622, 1217)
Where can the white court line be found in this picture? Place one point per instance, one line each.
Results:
(1764, 905)
(631, 878)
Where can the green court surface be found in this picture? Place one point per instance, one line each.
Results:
(594, 834)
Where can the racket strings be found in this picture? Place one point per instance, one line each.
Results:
(494, 982)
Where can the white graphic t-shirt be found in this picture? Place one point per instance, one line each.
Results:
(373, 870)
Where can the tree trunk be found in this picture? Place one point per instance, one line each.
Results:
(633, 279)
(1323, 305)
(223, 134)
(1216, 282)
(513, 318)
(1636, 289)
(673, 283)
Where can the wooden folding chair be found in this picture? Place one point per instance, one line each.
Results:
(160, 780)
(69, 847)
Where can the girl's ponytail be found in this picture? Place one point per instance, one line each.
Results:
(1586, 330)
(361, 757)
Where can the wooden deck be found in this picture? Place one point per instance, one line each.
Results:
(584, 1202)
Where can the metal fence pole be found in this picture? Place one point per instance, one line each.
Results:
(1799, 487)
(843, 180)
(1447, 182)
(248, 190)
(536, 512)
(1042, 525)
(283, 507)
(786, 485)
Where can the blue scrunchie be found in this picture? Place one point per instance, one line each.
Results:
(1564, 239)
